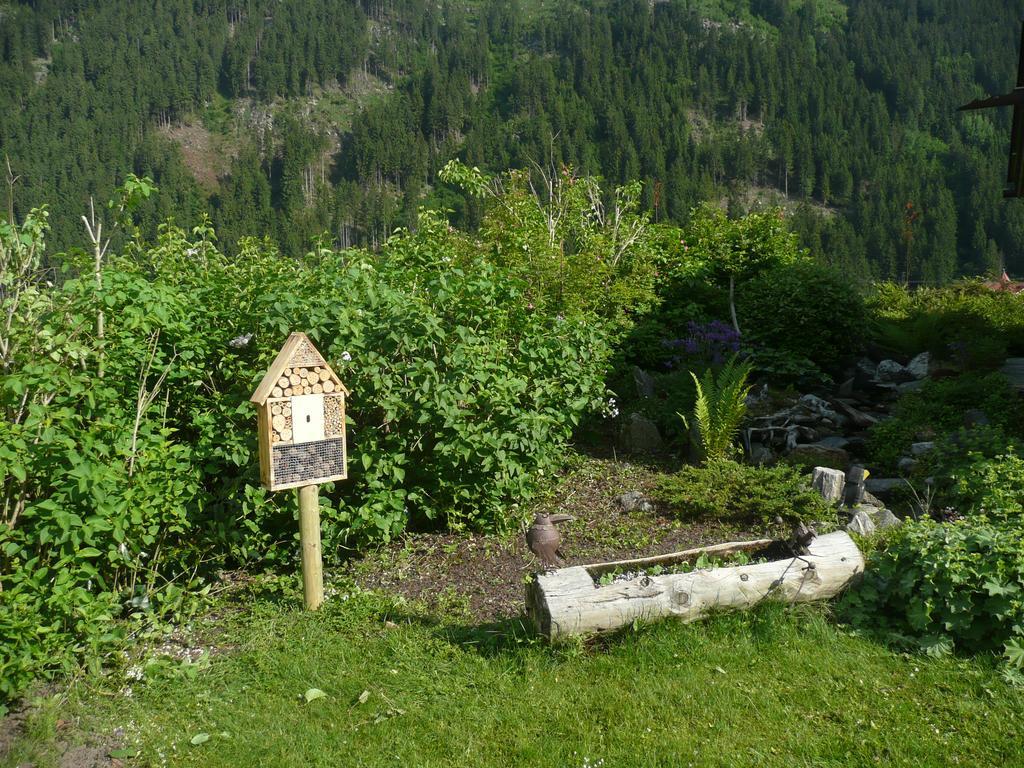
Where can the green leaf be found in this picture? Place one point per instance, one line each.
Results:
(199, 738)
(1015, 653)
(367, 461)
(313, 694)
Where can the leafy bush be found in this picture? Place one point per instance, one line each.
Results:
(804, 311)
(938, 408)
(719, 408)
(946, 586)
(121, 489)
(727, 490)
(989, 487)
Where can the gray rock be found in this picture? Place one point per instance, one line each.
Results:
(866, 368)
(883, 485)
(760, 454)
(884, 518)
(644, 383)
(871, 500)
(756, 398)
(907, 465)
(891, 372)
(835, 441)
(640, 435)
(830, 483)
(920, 449)
(820, 408)
(918, 367)
(861, 523)
(911, 386)
(634, 501)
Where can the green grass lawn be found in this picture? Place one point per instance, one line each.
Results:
(773, 687)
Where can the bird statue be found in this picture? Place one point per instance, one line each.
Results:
(543, 538)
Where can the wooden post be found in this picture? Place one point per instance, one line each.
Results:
(309, 536)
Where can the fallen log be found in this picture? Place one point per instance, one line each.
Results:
(571, 601)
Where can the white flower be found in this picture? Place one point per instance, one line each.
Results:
(346, 356)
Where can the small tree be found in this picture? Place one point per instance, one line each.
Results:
(735, 250)
(578, 248)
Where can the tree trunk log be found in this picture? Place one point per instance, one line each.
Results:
(569, 601)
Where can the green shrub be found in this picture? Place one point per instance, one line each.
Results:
(803, 311)
(946, 586)
(966, 324)
(938, 409)
(727, 490)
(989, 487)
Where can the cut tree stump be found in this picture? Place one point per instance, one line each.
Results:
(570, 601)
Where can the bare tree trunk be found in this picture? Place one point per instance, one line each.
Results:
(732, 303)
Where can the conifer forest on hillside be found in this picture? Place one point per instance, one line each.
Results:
(297, 118)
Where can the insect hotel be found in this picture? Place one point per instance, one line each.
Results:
(301, 405)
(301, 424)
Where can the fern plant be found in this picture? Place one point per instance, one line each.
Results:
(719, 409)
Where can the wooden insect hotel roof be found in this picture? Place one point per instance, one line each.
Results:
(297, 352)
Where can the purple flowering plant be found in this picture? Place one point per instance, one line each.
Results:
(707, 344)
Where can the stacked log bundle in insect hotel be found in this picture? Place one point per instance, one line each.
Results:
(301, 405)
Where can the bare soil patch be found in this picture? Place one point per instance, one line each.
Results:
(485, 576)
(205, 156)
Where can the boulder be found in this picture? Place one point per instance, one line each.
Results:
(820, 408)
(866, 370)
(830, 483)
(910, 386)
(920, 449)
(644, 383)
(871, 500)
(835, 441)
(918, 367)
(634, 501)
(891, 372)
(861, 522)
(884, 518)
(883, 486)
(640, 435)
(760, 454)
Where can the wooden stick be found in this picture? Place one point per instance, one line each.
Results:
(309, 536)
(722, 550)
